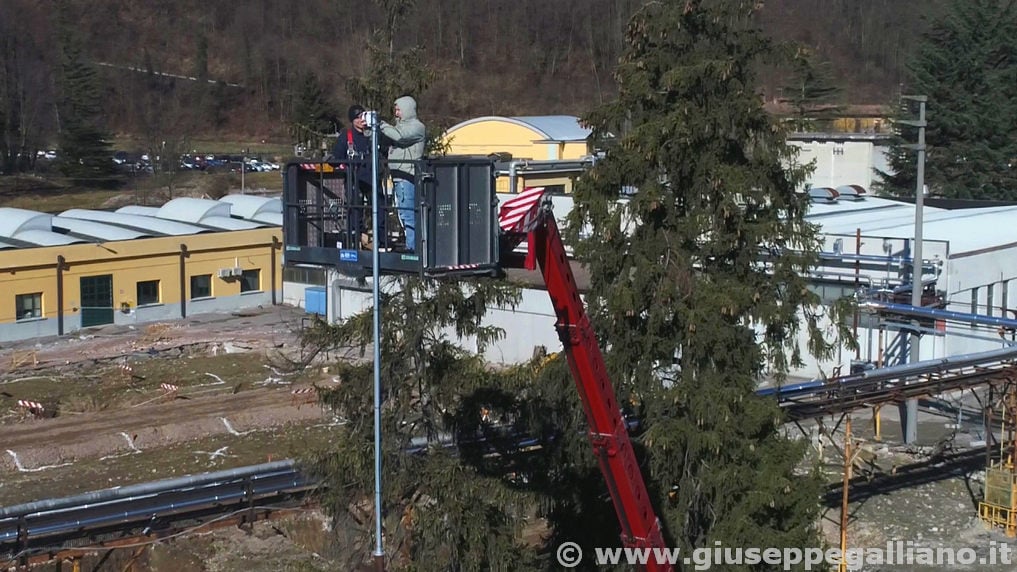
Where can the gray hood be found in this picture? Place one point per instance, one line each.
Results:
(408, 107)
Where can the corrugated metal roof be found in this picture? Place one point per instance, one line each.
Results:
(97, 230)
(548, 127)
(137, 222)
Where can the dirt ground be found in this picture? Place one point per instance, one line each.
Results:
(110, 420)
(938, 511)
(126, 390)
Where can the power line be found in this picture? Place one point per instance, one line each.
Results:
(164, 74)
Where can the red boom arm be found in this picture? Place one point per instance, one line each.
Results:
(608, 432)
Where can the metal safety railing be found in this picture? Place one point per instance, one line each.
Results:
(40, 526)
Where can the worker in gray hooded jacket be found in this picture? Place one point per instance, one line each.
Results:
(407, 140)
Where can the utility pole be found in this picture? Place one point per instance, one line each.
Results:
(917, 286)
(845, 490)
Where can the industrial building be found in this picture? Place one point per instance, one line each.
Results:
(539, 138)
(83, 268)
(970, 266)
(968, 253)
(551, 150)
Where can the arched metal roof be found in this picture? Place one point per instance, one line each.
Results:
(138, 210)
(46, 238)
(97, 230)
(274, 219)
(548, 127)
(229, 223)
(249, 206)
(137, 222)
(205, 212)
(14, 221)
(31, 227)
(187, 209)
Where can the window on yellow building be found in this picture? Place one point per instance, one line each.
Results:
(201, 286)
(304, 275)
(148, 292)
(250, 281)
(28, 305)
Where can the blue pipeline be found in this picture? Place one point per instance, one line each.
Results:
(938, 365)
(934, 313)
(794, 388)
(847, 257)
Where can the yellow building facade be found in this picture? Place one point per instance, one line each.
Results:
(537, 138)
(549, 150)
(58, 289)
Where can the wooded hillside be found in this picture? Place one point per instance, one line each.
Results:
(491, 57)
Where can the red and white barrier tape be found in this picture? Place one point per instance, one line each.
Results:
(34, 406)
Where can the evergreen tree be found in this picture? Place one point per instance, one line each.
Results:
(448, 504)
(698, 283)
(966, 64)
(201, 60)
(813, 92)
(389, 76)
(313, 113)
(85, 150)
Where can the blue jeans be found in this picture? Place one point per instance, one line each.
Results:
(405, 197)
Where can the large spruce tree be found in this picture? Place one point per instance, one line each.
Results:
(449, 504)
(314, 116)
(812, 92)
(85, 146)
(698, 281)
(966, 64)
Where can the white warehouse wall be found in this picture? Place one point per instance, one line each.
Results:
(528, 325)
(841, 159)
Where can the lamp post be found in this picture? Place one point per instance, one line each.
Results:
(917, 285)
(379, 552)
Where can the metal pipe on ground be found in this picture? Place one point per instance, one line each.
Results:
(153, 487)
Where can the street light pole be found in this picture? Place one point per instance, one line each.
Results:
(379, 553)
(917, 266)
